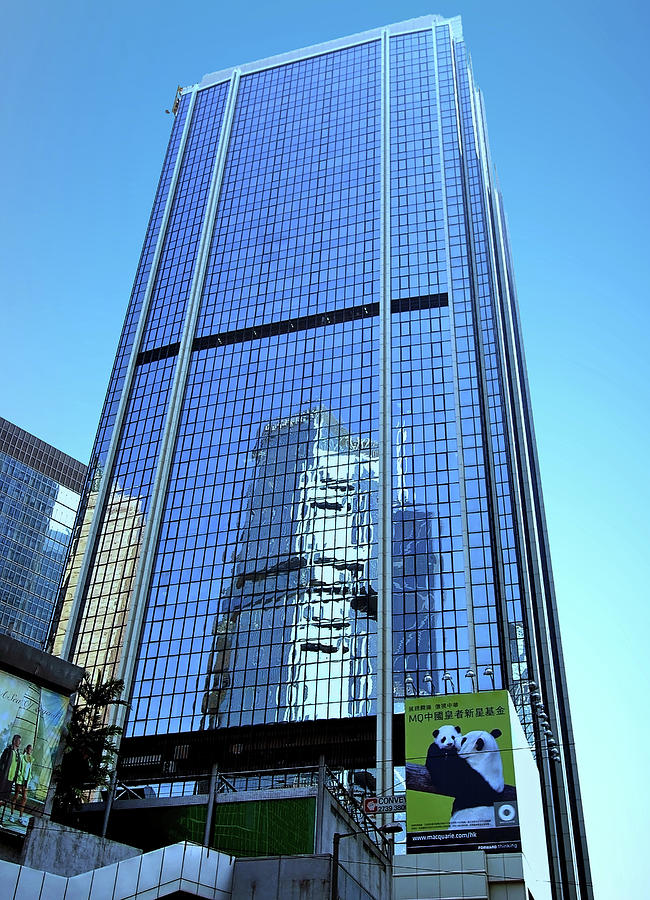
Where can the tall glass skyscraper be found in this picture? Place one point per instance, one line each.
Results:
(314, 489)
(40, 490)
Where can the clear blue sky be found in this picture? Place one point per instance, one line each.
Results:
(84, 89)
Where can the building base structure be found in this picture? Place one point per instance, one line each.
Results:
(188, 870)
(469, 874)
(279, 846)
(297, 817)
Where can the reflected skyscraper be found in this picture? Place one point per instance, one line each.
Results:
(319, 404)
(417, 598)
(296, 625)
(109, 587)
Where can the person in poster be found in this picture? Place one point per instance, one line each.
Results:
(10, 762)
(22, 783)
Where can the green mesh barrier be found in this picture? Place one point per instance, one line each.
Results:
(265, 827)
(149, 829)
(255, 828)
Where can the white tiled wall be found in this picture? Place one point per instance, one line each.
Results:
(197, 870)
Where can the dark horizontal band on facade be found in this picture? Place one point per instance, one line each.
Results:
(411, 304)
(347, 743)
(300, 323)
(31, 451)
(156, 353)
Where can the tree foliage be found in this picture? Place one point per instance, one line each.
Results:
(88, 745)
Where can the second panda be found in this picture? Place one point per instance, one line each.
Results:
(482, 784)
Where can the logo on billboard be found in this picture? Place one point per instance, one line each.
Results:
(506, 813)
(460, 790)
(390, 804)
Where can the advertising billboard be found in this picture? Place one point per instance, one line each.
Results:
(460, 774)
(31, 719)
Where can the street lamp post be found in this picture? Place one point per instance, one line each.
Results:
(338, 837)
(391, 828)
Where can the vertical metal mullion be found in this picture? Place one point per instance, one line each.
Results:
(452, 333)
(159, 492)
(499, 287)
(484, 405)
(84, 570)
(384, 600)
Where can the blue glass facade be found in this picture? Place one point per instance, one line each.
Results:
(317, 214)
(40, 490)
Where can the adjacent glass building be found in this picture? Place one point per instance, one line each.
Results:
(40, 490)
(314, 489)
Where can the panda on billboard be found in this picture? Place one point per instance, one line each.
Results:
(482, 803)
(468, 767)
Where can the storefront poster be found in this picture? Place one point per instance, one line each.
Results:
(31, 720)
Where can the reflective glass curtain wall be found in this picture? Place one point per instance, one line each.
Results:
(40, 490)
(317, 214)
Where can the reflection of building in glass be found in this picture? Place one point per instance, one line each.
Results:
(40, 489)
(327, 235)
(108, 532)
(295, 620)
(110, 584)
(417, 601)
